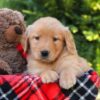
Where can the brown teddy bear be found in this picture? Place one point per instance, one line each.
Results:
(12, 26)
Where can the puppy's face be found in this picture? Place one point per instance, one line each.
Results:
(46, 43)
(46, 39)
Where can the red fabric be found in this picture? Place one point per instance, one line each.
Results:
(26, 86)
(21, 50)
(95, 79)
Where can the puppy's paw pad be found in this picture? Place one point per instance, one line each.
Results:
(49, 76)
(67, 82)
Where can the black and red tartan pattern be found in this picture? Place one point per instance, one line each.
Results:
(86, 87)
(27, 87)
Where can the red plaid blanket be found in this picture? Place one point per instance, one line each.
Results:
(27, 87)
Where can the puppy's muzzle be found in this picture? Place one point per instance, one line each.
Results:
(45, 54)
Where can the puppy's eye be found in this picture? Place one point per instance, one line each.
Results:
(55, 39)
(37, 38)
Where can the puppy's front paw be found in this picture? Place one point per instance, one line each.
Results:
(67, 80)
(49, 76)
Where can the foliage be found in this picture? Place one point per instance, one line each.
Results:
(82, 17)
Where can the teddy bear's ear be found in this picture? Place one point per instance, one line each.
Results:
(19, 14)
(69, 42)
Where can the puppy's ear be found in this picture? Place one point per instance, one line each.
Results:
(69, 42)
(25, 43)
(25, 39)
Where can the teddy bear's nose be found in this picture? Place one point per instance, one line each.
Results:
(18, 30)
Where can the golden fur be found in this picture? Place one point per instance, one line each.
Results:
(62, 62)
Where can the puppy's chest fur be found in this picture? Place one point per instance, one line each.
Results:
(13, 58)
(35, 67)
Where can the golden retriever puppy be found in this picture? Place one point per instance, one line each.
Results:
(52, 53)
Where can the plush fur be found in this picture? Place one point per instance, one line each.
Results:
(12, 26)
(52, 53)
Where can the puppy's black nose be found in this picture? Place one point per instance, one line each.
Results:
(45, 53)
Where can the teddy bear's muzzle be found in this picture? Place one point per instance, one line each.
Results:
(13, 34)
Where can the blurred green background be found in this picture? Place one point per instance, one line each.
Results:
(81, 16)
